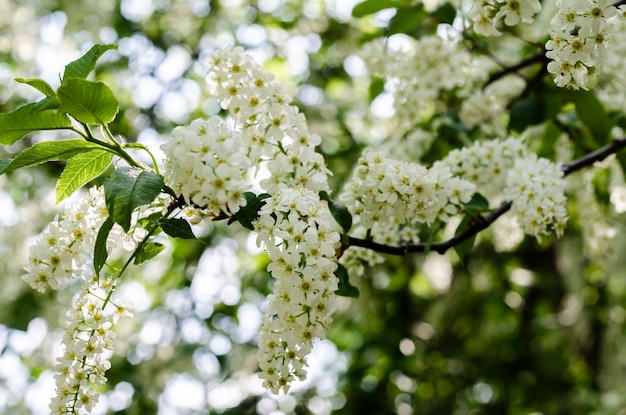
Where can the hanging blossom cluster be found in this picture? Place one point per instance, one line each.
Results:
(580, 33)
(62, 253)
(208, 162)
(298, 230)
(508, 169)
(63, 250)
(88, 342)
(207, 165)
(486, 14)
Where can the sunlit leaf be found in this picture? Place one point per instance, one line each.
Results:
(372, 6)
(148, 251)
(15, 125)
(39, 84)
(80, 170)
(88, 102)
(48, 151)
(83, 66)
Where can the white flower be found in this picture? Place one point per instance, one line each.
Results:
(537, 189)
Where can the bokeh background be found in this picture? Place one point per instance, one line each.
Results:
(515, 327)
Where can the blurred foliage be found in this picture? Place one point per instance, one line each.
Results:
(538, 328)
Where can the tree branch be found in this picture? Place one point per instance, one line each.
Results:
(537, 58)
(485, 221)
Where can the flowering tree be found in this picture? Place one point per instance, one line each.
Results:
(492, 125)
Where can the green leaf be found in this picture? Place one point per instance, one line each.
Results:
(592, 114)
(39, 84)
(345, 289)
(100, 253)
(148, 251)
(80, 170)
(49, 151)
(446, 13)
(88, 102)
(463, 248)
(151, 222)
(250, 212)
(526, 112)
(407, 20)
(376, 87)
(83, 66)
(177, 228)
(15, 125)
(128, 188)
(48, 103)
(4, 164)
(476, 205)
(340, 212)
(372, 6)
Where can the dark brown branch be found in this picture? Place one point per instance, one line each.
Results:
(484, 222)
(589, 159)
(538, 58)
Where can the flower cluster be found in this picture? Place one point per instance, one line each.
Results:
(88, 344)
(486, 14)
(61, 253)
(390, 199)
(385, 191)
(486, 163)
(63, 250)
(508, 169)
(537, 188)
(206, 163)
(486, 106)
(294, 225)
(298, 231)
(273, 132)
(580, 33)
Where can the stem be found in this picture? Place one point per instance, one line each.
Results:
(486, 221)
(170, 210)
(114, 146)
(537, 58)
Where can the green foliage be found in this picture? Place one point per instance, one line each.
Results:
(82, 67)
(48, 151)
(100, 248)
(128, 188)
(340, 212)
(147, 251)
(345, 288)
(592, 114)
(88, 102)
(177, 228)
(15, 125)
(372, 6)
(466, 246)
(80, 170)
(39, 84)
(250, 212)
